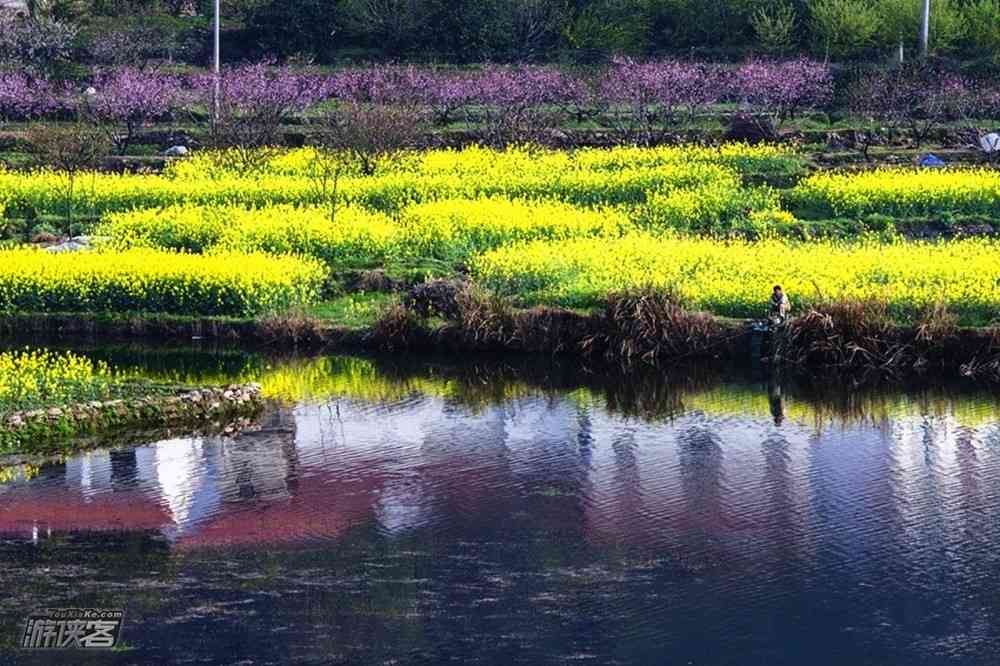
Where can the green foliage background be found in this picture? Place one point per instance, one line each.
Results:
(466, 31)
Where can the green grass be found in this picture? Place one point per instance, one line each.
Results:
(17, 159)
(419, 269)
(359, 310)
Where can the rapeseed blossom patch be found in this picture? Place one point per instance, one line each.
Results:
(734, 278)
(147, 280)
(32, 377)
(901, 192)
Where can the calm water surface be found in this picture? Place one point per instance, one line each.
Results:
(501, 514)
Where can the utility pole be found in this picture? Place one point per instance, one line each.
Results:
(217, 64)
(925, 30)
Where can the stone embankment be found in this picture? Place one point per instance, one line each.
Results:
(41, 428)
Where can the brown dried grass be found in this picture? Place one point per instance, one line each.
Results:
(649, 326)
(398, 328)
(845, 334)
(485, 319)
(293, 327)
(937, 324)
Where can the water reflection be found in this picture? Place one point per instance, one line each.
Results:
(425, 462)
(539, 518)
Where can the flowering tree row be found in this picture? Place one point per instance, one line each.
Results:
(640, 101)
(671, 84)
(128, 98)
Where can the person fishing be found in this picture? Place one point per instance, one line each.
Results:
(778, 307)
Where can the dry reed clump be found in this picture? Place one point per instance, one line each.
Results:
(368, 281)
(646, 326)
(553, 330)
(937, 325)
(398, 328)
(845, 334)
(436, 298)
(651, 326)
(860, 336)
(985, 365)
(292, 327)
(484, 319)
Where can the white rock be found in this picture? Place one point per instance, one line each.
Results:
(73, 245)
(990, 143)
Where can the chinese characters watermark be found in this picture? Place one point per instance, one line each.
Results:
(73, 628)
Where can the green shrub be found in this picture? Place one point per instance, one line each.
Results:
(776, 28)
(983, 20)
(901, 21)
(844, 28)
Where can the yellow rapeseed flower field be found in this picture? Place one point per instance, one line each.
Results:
(589, 178)
(346, 237)
(901, 192)
(543, 225)
(146, 280)
(734, 278)
(458, 228)
(351, 237)
(479, 160)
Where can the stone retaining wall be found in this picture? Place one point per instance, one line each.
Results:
(43, 429)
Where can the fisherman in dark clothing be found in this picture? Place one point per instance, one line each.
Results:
(778, 307)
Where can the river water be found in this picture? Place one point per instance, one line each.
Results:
(507, 512)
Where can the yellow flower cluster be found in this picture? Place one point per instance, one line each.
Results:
(350, 237)
(900, 192)
(30, 378)
(477, 160)
(735, 278)
(717, 208)
(342, 237)
(460, 228)
(589, 177)
(146, 280)
(45, 192)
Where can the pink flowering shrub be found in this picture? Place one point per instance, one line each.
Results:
(23, 97)
(128, 99)
(783, 90)
(645, 101)
(255, 100)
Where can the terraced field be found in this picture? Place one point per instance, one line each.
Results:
(714, 224)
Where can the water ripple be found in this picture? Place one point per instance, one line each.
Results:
(548, 528)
